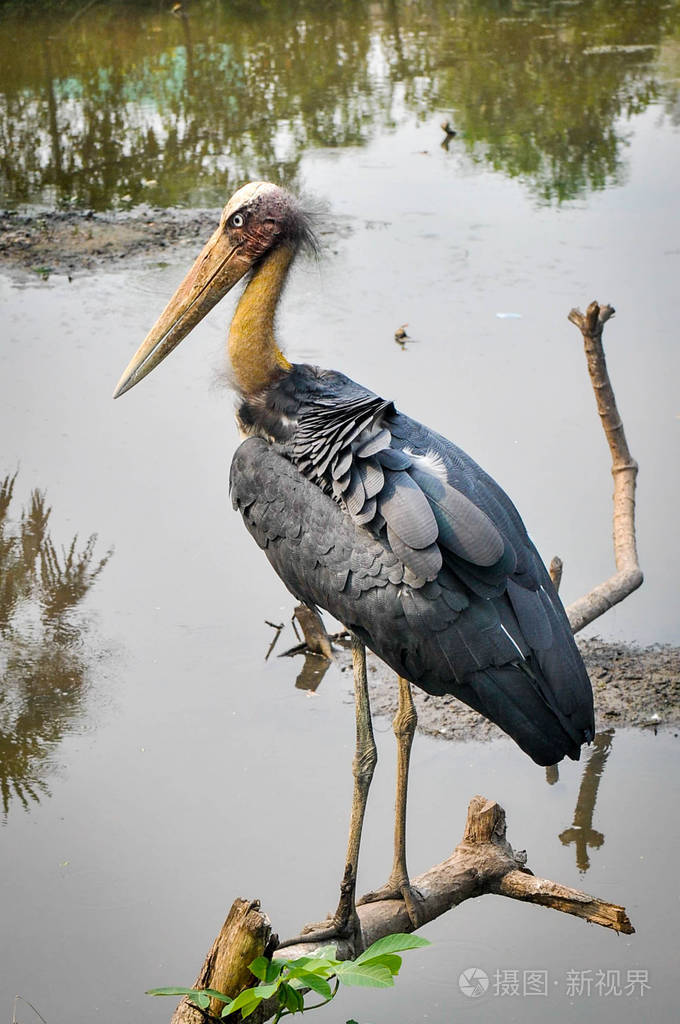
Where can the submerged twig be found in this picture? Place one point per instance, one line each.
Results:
(23, 1000)
(277, 627)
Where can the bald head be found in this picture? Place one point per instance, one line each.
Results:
(260, 215)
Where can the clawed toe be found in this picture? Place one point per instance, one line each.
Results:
(333, 929)
(392, 891)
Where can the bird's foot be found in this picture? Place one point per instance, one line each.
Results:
(333, 931)
(392, 890)
(341, 927)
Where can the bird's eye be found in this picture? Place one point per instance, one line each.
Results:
(238, 220)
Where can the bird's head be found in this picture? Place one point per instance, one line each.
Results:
(258, 218)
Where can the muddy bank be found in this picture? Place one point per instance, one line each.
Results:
(632, 687)
(70, 241)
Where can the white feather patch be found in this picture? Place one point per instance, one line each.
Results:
(431, 462)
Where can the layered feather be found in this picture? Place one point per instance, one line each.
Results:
(401, 536)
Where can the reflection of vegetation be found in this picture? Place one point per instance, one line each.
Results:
(44, 670)
(582, 834)
(133, 103)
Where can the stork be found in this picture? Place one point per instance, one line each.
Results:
(384, 523)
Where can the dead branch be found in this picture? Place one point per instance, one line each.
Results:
(628, 576)
(316, 638)
(483, 862)
(527, 887)
(245, 935)
(555, 569)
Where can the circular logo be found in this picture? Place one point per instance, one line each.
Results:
(473, 982)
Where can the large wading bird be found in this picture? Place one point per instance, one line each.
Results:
(384, 523)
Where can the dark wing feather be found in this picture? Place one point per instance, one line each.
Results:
(463, 632)
(463, 528)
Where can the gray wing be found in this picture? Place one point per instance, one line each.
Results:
(458, 632)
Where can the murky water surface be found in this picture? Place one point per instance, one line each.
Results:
(153, 766)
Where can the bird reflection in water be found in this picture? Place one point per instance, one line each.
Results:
(582, 834)
(44, 665)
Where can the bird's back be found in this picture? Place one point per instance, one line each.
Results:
(404, 538)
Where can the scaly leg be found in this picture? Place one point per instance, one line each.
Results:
(345, 924)
(398, 885)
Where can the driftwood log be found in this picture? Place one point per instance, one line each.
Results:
(482, 863)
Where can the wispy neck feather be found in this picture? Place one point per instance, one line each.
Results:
(255, 357)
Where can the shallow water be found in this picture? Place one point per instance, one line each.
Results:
(147, 784)
(123, 102)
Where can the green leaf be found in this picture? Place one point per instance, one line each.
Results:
(367, 975)
(396, 943)
(389, 960)
(293, 1001)
(189, 992)
(310, 965)
(168, 991)
(274, 969)
(267, 970)
(250, 1008)
(317, 984)
(199, 999)
(259, 967)
(246, 1000)
(214, 994)
(266, 991)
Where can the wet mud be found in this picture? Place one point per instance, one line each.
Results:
(632, 686)
(71, 241)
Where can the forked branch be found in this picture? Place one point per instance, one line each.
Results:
(628, 576)
(483, 862)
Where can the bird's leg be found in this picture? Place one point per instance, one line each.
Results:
(398, 885)
(344, 924)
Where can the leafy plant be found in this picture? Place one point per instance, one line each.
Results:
(319, 972)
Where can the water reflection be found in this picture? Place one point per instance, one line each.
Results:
(582, 834)
(314, 666)
(44, 667)
(127, 104)
(311, 674)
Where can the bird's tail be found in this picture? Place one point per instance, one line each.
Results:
(511, 696)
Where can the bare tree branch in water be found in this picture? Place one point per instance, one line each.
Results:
(482, 863)
(628, 576)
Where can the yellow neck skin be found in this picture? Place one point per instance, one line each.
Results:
(255, 357)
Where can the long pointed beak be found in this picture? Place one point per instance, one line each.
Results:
(218, 268)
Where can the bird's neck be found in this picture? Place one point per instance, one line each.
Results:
(256, 359)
